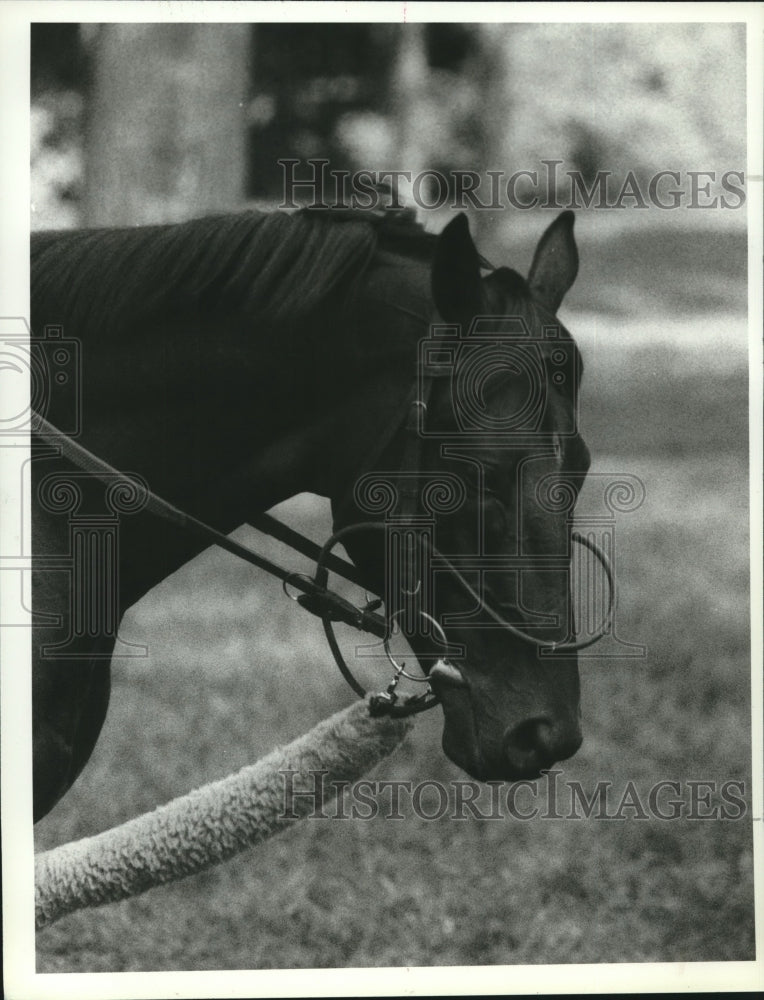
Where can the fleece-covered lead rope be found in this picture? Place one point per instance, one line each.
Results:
(215, 822)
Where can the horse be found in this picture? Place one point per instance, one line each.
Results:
(233, 361)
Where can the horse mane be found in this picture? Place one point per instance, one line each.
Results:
(273, 266)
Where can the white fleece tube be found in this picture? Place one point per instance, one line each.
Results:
(215, 822)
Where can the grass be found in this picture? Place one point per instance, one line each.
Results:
(234, 670)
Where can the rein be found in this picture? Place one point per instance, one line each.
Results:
(318, 600)
(315, 595)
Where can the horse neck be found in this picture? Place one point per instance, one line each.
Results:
(347, 394)
(225, 421)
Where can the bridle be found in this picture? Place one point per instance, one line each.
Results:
(314, 593)
(388, 702)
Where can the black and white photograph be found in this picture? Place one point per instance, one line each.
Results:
(381, 452)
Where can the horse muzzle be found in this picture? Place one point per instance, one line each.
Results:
(475, 738)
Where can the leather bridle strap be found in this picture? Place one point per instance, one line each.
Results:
(411, 464)
(314, 598)
(388, 702)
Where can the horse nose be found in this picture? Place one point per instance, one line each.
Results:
(538, 743)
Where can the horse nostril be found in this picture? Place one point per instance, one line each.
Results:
(535, 744)
(526, 736)
(530, 745)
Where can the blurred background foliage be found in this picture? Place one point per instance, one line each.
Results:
(641, 97)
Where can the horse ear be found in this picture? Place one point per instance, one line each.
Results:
(456, 273)
(555, 263)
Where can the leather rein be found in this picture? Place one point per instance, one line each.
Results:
(313, 592)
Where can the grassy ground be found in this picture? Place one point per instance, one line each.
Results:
(235, 669)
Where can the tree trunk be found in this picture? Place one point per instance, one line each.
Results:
(409, 87)
(494, 68)
(166, 135)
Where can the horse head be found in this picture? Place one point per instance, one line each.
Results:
(485, 489)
